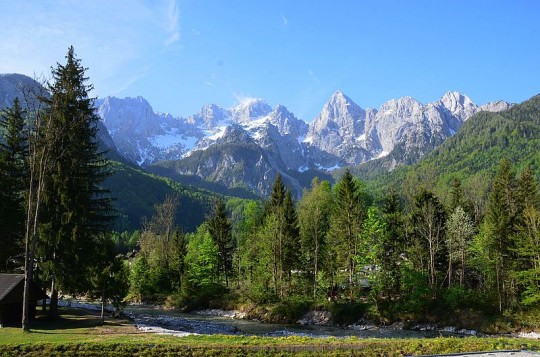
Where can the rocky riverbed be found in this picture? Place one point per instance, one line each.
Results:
(232, 322)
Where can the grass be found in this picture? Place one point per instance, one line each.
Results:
(79, 332)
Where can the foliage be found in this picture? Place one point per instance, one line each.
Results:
(219, 228)
(13, 171)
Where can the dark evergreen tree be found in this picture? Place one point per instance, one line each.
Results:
(393, 242)
(526, 191)
(350, 210)
(291, 242)
(13, 152)
(456, 194)
(76, 208)
(277, 196)
(495, 241)
(219, 227)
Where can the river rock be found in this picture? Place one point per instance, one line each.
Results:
(316, 317)
(233, 314)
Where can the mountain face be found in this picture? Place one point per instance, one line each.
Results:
(15, 85)
(246, 145)
(474, 153)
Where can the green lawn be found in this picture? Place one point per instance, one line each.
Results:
(80, 333)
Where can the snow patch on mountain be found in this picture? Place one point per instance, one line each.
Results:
(342, 134)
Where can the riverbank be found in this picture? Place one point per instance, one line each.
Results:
(314, 323)
(80, 332)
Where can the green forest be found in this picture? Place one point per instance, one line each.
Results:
(453, 239)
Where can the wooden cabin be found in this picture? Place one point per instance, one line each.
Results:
(11, 299)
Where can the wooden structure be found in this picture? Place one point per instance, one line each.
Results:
(11, 299)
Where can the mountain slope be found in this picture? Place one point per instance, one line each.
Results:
(136, 192)
(476, 149)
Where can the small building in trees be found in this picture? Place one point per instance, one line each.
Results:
(11, 299)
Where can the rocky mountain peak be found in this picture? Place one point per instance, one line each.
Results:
(496, 106)
(249, 109)
(209, 116)
(458, 105)
(341, 111)
(286, 122)
(402, 107)
(114, 112)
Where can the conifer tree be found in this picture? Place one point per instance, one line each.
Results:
(291, 243)
(393, 242)
(494, 243)
(13, 153)
(219, 227)
(76, 208)
(350, 209)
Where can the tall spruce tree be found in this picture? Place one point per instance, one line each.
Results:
(494, 244)
(393, 242)
(220, 229)
(291, 243)
(13, 169)
(347, 220)
(76, 208)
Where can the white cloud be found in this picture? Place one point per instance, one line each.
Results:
(118, 40)
(173, 23)
(284, 20)
(243, 99)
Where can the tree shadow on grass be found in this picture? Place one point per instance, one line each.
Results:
(80, 321)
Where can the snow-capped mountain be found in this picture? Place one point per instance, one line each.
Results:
(143, 136)
(275, 140)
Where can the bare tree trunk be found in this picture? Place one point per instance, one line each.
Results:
(38, 157)
(53, 309)
(103, 301)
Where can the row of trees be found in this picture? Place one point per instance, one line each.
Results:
(409, 252)
(55, 213)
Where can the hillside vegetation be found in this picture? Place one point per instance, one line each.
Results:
(475, 150)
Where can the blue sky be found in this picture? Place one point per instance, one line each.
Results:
(181, 55)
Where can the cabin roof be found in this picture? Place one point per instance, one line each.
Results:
(8, 282)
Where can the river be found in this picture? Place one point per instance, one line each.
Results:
(181, 324)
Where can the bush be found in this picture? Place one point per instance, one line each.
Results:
(291, 310)
(347, 313)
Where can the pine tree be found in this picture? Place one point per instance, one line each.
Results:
(456, 194)
(13, 153)
(76, 208)
(291, 240)
(219, 227)
(494, 243)
(275, 219)
(393, 242)
(350, 209)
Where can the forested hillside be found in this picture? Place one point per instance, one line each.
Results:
(473, 153)
(136, 192)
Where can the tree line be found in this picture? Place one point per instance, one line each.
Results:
(407, 252)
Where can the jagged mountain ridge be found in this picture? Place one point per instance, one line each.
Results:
(343, 134)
